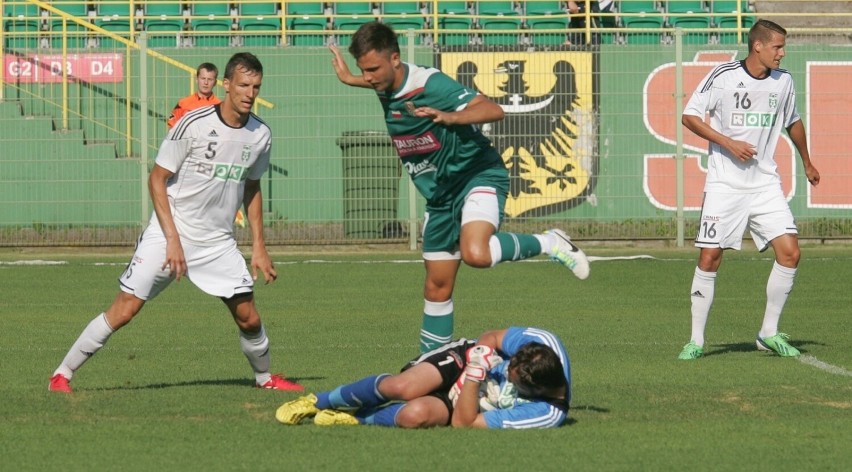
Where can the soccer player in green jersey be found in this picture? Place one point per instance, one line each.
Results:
(433, 123)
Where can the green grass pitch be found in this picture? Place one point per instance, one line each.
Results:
(172, 391)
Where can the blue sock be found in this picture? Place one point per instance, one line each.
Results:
(382, 416)
(361, 394)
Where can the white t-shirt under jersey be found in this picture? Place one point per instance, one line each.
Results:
(747, 109)
(211, 162)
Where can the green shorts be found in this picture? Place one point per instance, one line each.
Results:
(442, 223)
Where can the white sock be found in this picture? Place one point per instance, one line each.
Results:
(702, 291)
(256, 348)
(778, 287)
(496, 250)
(93, 337)
(547, 242)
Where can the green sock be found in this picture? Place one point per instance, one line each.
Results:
(515, 247)
(437, 327)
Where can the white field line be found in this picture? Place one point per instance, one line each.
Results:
(831, 369)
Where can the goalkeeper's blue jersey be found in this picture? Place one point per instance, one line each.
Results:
(515, 412)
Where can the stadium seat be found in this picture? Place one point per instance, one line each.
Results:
(163, 33)
(400, 25)
(501, 23)
(496, 8)
(685, 6)
(642, 22)
(119, 27)
(544, 8)
(164, 23)
(637, 6)
(260, 24)
(347, 26)
(214, 20)
(261, 32)
(259, 9)
(21, 25)
(727, 29)
(401, 8)
(72, 7)
(21, 34)
(114, 18)
(554, 23)
(353, 8)
(77, 35)
(311, 17)
(688, 22)
(454, 16)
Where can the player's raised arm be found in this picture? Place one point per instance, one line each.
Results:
(343, 72)
(480, 110)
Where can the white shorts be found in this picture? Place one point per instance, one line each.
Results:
(725, 217)
(219, 270)
(481, 204)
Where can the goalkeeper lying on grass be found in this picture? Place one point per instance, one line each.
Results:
(465, 383)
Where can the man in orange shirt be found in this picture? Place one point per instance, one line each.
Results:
(205, 77)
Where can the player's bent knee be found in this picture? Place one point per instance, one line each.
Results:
(418, 415)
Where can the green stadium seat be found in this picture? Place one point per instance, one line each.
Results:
(261, 32)
(685, 6)
(211, 33)
(21, 25)
(217, 9)
(400, 8)
(72, 7)
(259, 9)
(120, 27)
(77, 36)
(21, 34)
(164, 23)
(501, 23)
(646, 22)
(401, 25)
(727, 29)
(688, 22)
(347, 26)
(454, 16)
(637, 6)
(164, 33)
(167, 9)
(496, 8)
(555, 23)
(353, 8)
(214, 20)
(544, 8)
(312, 18)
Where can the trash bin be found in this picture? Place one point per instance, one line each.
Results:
(371, 173)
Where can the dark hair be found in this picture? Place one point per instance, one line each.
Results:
(539, 369)
(373, 36)
(762, 31)
(207, 66)
(244, 60)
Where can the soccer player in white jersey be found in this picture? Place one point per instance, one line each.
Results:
(749, 102)
(209, 165)
(514, 378)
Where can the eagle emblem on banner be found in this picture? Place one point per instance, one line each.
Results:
(548, 138)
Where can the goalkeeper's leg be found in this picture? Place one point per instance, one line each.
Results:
(363, 393)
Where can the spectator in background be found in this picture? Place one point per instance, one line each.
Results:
(205, 78)
(578, 20)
